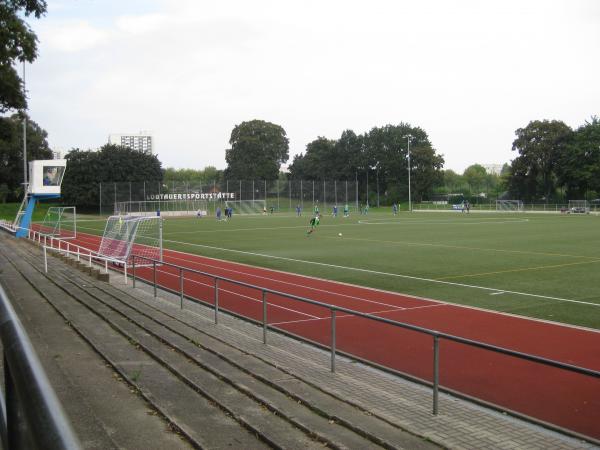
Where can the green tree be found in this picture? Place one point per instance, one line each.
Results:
(204, 176)
(476, 176)
(386, 155)
(17, 43)
(541, 144)
(318, 163)
(579, 166)
(453, 182)
(426, 166)
(112, 163)
(327, 159)
(11, 151)
(258, 149)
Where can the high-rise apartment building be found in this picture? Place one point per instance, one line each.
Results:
(142, 142)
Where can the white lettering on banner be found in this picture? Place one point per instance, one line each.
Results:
(194, 195)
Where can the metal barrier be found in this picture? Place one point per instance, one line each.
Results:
(436, 335)
(34, 417)
(68, 248)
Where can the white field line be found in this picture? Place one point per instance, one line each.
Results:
(396, 275)
(240, 295)
(436, 222)
(405, 243)
(438, 302)
(289, 283)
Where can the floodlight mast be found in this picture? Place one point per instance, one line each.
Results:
(24, 135)
(408, 138)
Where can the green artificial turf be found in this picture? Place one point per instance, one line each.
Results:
(549, 261)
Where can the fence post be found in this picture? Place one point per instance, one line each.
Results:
(125, 271)
(45, 260)
(154, 276)
(90, 256)
(436, 372)
(78, 253)
(332, 340)
(106, 266)
(181, 288)
(216, 300)
(264, 302)
(133, 269)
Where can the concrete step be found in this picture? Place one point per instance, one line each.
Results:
(256, 401)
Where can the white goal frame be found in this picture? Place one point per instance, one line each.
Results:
(241, 207)
(509, 205)
(579, 207)
(127, 236)
(60, 221)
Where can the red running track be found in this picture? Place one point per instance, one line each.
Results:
(564, 399)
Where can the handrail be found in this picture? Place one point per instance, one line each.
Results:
(91, 255)
(34, 417)
(437, 335)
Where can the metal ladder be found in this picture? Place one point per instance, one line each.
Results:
(22, 208)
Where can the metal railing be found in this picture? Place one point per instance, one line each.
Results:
(333, 309)
(32, 415)
(81, 253)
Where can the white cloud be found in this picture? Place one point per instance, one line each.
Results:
(469, 72)
(141, 24)
(72, 36)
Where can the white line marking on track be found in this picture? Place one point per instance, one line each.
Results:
(409, 277)
(429, 306)
(241, 295)
(237, 271)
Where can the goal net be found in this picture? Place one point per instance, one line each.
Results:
(166, 207)
(509, 205)
(579, 207)
(246, 206)
(128, 236)
(60, 222)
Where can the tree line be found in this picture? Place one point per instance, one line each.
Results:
(555, 162)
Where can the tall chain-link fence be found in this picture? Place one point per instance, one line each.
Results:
(190, 197)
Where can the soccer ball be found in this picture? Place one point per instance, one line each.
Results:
(340, 234)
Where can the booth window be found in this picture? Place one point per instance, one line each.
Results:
(53, 175)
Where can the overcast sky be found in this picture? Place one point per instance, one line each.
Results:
(469, 72)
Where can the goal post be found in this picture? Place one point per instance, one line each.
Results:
(60, 221)
(128, 236)
(246, 206)
(509, 205)
(579, 207)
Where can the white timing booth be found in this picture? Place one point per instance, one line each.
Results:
(45, 179)
(46, 175)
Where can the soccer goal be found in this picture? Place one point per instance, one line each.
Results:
(166, 207)
(246, 206)
(60, 222)
(128, 236)
(579, 207)
(509, 205)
